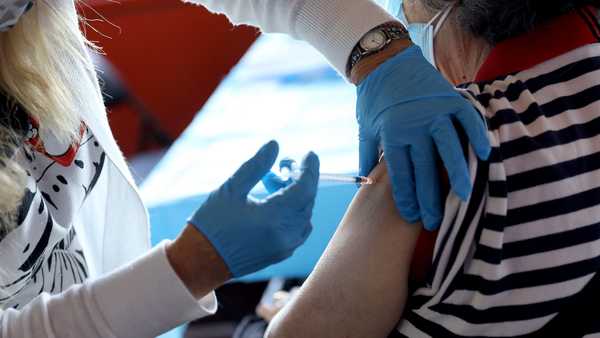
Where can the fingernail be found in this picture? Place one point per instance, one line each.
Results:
(272, 144)
(461, 185)
(464, 191)
(484, 152)
(311, 160)
(432, 225)
(410, 216)
(269, 148)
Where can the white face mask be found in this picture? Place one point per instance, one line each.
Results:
(422, 34)
(11, 11)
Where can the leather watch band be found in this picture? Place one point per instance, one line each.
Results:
(392, 31)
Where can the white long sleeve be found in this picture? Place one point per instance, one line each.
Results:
(333, 27)
(141, 300)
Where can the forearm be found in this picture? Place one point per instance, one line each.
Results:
(142, 300)
(363, 271)
(196, 262)
(333, 27)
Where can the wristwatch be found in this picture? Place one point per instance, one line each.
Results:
(376, 40)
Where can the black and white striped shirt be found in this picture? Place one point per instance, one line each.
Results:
(520, 253)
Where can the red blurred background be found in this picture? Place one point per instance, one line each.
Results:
(171, 55)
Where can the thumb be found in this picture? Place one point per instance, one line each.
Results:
(246, 177)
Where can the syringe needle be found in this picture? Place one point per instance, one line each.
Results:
(289, 169)
(341, 178)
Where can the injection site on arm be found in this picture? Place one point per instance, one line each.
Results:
(337, 300)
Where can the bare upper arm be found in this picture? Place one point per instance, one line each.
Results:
(358, 288)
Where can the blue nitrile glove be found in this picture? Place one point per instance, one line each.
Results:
(252, 234)
(407, 107)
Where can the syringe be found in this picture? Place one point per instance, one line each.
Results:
(288, 168)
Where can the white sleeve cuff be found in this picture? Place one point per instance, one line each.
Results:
(147, 298)
(334, 27)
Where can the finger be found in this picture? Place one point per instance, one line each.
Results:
(301, 227)
(449, 148)
(302, 233)
(401, 174)
(307, 230)
(476, 130)
(368, 156)
(246, 177)
(304, 190)
(427, 186)
(273, 183)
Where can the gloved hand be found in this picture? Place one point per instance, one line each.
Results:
(251, 234)
(408, 107)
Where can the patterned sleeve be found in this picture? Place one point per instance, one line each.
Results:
(142, 300)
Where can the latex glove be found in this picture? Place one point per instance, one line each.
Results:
(407, 107)
(252, 234)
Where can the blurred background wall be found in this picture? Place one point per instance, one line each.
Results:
(171, 56)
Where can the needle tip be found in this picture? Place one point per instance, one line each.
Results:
(366, 180)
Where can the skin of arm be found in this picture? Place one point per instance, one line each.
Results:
(364, 271)
(197, 262)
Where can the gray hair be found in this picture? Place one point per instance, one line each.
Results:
(498, 20)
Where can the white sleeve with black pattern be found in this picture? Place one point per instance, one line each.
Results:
(142, 300)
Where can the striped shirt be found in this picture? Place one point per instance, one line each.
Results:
(524, 251)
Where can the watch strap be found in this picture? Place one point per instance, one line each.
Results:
(393, 31)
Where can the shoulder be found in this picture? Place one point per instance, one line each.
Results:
(542, 90)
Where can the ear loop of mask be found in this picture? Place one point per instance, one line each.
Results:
(426, 44)
(442, 15)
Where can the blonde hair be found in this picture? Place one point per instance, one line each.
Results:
(35, 57)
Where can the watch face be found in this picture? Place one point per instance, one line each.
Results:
(373, 40)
